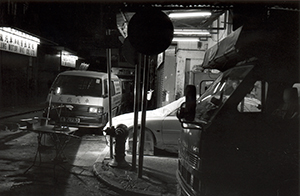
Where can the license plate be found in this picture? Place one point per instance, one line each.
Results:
(69, 119)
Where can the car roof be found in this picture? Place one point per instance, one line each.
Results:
(94, 74)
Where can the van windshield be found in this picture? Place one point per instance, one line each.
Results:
(217, 94)
(78, 86)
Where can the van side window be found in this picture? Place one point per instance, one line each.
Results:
(112, 87)
(254, 100)
(117, 86)
(113, 90)
(105, 88)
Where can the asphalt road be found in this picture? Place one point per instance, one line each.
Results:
(72, 177)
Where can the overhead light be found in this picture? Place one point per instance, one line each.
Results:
(185, 39)
(190, 32)
(189, 14)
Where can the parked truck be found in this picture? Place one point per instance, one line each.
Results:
(241, 136)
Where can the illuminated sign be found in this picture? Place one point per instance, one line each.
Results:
(83, 66)
(15, 41)
(68, 60)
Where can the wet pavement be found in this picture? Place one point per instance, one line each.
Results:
(72, 177)
(87, 159)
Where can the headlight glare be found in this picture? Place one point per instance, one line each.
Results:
(98, 110)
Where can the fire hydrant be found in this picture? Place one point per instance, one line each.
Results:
(120, 134)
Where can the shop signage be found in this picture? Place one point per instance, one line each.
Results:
(68, 60)
(83, 66)
(15, 41)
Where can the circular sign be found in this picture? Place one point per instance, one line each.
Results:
(150, 31)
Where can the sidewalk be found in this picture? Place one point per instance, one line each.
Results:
(159, 175)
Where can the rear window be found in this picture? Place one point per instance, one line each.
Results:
(78, 85)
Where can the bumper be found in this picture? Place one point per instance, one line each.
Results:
(79, 121)
(183, 189)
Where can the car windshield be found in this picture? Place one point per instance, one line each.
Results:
(78, 85)
(217, 94)
(169, 109)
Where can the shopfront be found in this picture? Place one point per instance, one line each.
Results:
(18, 66)
(28, 66)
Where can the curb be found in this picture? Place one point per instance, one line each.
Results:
(118, 186)
(127, 182)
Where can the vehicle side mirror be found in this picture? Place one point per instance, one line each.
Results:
(190, 102)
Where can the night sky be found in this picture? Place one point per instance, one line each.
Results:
(68, 24)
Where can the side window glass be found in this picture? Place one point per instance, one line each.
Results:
(204, 85)
(117, 86)
(113, 90)
(289, 108)
(254, 100)
(105, 88)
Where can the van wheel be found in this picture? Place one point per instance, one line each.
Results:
(148, 145)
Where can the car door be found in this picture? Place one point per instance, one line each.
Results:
(171, 129)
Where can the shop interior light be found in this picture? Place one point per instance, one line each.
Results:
(189, 14)
(185, 39)
(190, 32)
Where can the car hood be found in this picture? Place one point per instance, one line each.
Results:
(127, 119)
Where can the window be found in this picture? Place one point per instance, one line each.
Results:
(112, 87)
(204, 85)
(113, 92)
(253, 101)
(219, 92)
(105, 88)
(78, 85)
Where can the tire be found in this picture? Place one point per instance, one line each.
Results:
(148, 145)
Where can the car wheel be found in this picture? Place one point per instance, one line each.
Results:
(148, 145)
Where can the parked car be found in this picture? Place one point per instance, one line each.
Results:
(162, 128)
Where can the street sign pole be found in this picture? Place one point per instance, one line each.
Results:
(108, 59)
(137, 90)
(143, 120)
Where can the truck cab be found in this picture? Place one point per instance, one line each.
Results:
(241, 137)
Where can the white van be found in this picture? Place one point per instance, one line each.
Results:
(80, 98)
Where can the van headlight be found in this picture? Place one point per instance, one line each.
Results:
(95, 110)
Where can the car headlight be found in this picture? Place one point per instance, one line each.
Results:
(98, 110)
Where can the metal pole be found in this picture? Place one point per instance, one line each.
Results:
(108, 57)
(137, 90)
(143, 120)
(49, 107)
